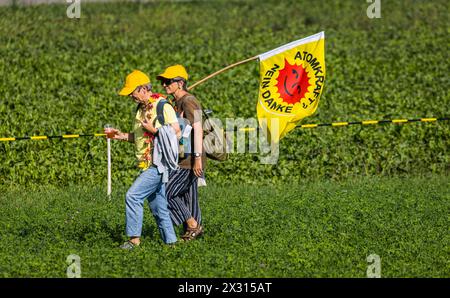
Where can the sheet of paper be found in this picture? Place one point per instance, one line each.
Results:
(187, 131)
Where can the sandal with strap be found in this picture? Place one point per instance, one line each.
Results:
(128, 245)
(192, 233)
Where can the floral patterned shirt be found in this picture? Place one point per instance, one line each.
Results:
(143, 140)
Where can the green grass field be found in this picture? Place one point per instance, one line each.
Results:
(335, 196)
(320, 229)
(61, 76)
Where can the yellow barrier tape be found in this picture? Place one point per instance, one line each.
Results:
(39, 138)
(7, 139)
(339, 123)
(369, 122)
(70, 136)
(309, 125)
(247, 129)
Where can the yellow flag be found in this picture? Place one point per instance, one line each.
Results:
(292, 78)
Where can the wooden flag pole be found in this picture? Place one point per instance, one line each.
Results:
(222, 70)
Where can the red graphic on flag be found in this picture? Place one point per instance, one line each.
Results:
(292, 83)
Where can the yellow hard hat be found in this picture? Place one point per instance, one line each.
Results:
(173, 72)
(135, 79)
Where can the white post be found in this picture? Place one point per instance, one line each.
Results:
(108, 141)
(107, 128)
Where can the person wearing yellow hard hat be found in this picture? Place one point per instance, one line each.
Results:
(146, 134)
(181, 190)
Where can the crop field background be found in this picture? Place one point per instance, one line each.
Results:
(335, 196)
(323, 229)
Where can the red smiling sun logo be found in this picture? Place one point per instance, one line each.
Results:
(292, 83)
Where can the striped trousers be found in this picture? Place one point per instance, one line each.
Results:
(182, 196)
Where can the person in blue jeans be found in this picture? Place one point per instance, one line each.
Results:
(150, 184)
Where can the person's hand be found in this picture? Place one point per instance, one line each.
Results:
(198, 171)
(111, 133)
(148, 125)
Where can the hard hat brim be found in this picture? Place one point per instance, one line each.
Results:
(164, 76)
(126, 91)
(172, 72)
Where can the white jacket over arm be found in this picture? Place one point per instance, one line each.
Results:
(165, 151)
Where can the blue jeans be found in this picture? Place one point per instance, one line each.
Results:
(148, 186)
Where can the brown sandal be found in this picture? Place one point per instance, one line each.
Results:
(192, 233)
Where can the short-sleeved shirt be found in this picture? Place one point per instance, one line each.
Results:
(142, 138)
(189, 108)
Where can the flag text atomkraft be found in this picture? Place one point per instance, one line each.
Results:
(291, 82)
(315, 65)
